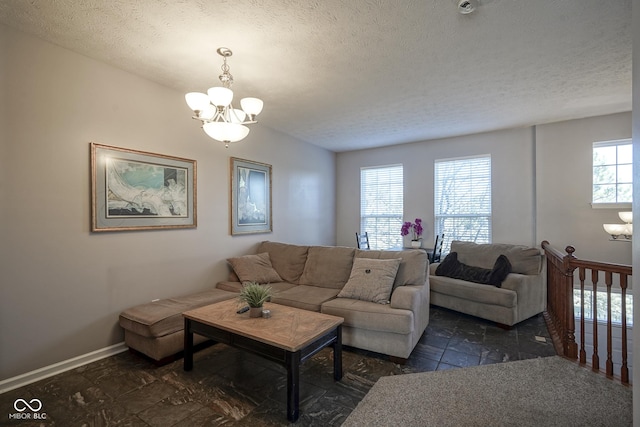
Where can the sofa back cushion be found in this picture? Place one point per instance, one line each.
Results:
(523, 259)
(327, 266)
(288, 260)
(413, 269)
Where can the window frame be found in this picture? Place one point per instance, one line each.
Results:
(617, 164)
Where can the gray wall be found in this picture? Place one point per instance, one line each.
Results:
(541, 184)
(63, 287)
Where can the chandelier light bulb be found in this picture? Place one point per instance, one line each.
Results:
(197, 101)
(615, 229)
(208, 113)
(626, 217)
(220, 96)
(237, 116)
(251, 106)
(226, 132)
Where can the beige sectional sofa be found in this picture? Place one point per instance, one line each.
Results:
(316, 278)
(332, 280)
(521, 295)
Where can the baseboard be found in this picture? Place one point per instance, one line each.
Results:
(60, 367)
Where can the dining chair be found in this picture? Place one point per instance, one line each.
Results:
(362, 240)
(437, 249)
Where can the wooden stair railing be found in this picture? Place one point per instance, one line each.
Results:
(560, 316)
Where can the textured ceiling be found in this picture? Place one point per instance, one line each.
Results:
(364, 73)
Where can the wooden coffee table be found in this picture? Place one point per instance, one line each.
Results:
(290, 336)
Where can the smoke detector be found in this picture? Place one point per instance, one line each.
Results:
(465, 7)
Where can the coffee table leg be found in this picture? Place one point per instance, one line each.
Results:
(337, 355)
(188, 345)
(293, 386)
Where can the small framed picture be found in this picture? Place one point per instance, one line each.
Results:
(137, 190)
(250, 197)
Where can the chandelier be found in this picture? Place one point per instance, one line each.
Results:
(219, 119)
(621, 232)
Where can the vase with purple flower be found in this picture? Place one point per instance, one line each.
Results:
(415, 228)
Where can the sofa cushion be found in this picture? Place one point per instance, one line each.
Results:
(327, 266)
(371, 280)
(254, 268)
(287, 260)
(451, 267)
(164, 317)
(370, 316)
(413, 264)
(305, 297)
(523, 259)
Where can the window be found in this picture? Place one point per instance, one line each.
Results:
(612, 172)
(381, 204)
(601, 306)
(463, 199)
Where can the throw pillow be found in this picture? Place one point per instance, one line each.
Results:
(254, 268)
(371, 280)
(453, 268)
(501, 270)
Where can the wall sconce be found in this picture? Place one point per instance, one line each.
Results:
(621, 232)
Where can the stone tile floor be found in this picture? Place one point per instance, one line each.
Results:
(228, 387)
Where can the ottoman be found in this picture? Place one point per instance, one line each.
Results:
(156, 329)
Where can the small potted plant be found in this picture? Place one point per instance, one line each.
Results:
(254, 295)
(415, 228)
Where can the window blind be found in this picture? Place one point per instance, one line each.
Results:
(381, 205)
(462, 205)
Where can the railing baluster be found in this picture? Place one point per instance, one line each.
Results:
(583, 352)
(608, 280)
(624, 370)
(595, 358)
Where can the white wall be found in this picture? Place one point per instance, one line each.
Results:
(564, 153)
(512, 161)
(62, 286)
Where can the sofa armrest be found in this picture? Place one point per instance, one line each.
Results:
(414, 298)
(531, 291)
(410, 297)
(520, 282)
(432, 268)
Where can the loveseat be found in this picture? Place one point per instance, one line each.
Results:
(383, 296)
(521, 295)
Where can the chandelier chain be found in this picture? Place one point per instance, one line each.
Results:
(226, 78)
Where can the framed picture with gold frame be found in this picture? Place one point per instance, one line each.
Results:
(138, 190)
(250, 197)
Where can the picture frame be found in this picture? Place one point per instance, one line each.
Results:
(250, 197)
(138, 190)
